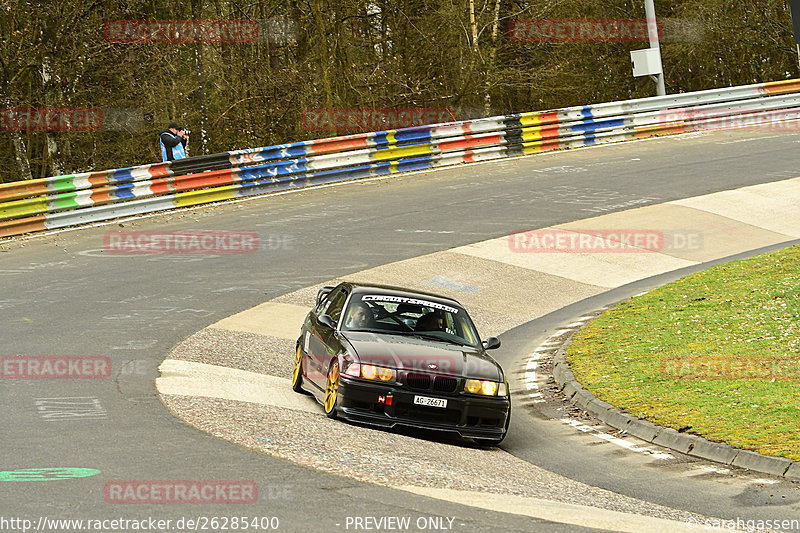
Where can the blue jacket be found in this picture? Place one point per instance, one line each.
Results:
(172, 146)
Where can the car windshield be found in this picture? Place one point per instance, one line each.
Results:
(381, 313)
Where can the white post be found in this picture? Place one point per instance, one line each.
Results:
(652, 34)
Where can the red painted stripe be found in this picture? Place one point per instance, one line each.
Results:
(162, 186)
(666, 129)
(22, 225)
(550, 145)
(470, 142)
(468, 157)
(158, 171)
(782, 87)
(98, 179)
(340, 144)
(24, 189)
(550, 132)
(101, 195)
(548, 117)
(203, 179)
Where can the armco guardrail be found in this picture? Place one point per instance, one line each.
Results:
(73, 199)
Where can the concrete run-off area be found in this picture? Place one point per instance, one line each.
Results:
(231, 379)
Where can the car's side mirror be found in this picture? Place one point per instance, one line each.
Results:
(327, 321)
(491, 343)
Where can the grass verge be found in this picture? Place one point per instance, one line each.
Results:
(715, 354)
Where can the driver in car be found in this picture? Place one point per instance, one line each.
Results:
(430, 322)
(360, 316)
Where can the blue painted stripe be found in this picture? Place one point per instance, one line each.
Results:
(416, 134)
(381, 138)
(587, 112)
(122, 175)
(418, 163)
(123, 192)
(594, 125)
(280, 168)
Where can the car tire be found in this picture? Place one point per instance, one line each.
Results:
(297, 371)
(332, 390)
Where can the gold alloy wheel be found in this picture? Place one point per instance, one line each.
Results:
(332, 389)
(298, 365)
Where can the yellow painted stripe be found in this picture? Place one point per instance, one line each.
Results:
(405, 151)
(531, 134)
(390, 136)
(531, 150)
(183, 199)
(18, 208)
(530, 119)
(393, 167)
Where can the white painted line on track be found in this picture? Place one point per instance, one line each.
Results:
(616, 440)
(714, 469)
(530, 377)
(767, 481)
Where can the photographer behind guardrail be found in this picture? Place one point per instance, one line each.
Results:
(172, 142)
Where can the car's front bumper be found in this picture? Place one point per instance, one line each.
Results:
(468, 415)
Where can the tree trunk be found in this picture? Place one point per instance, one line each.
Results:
(20, 151)
(201, 81)
(487, 103)
(473, 26)
(322, 24)
(21, 156)
(51, 93)
(53, 161)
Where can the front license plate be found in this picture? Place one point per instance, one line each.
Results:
(430, 402)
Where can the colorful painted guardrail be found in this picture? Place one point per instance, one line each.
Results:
(61, 201)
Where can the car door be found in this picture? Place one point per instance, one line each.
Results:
(323, 342)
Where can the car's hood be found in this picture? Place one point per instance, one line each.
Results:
(405, 352)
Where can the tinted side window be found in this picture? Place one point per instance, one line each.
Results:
(320, 308)
(336, 305)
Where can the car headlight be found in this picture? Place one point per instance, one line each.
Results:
(485, 387)
(378, 373)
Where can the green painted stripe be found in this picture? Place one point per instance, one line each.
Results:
(63, 183)
(63, 201)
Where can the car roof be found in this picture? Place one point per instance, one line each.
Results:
(374, 288)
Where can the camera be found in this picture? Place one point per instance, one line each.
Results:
(187, 132)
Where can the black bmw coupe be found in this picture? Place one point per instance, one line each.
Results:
(389, 356)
